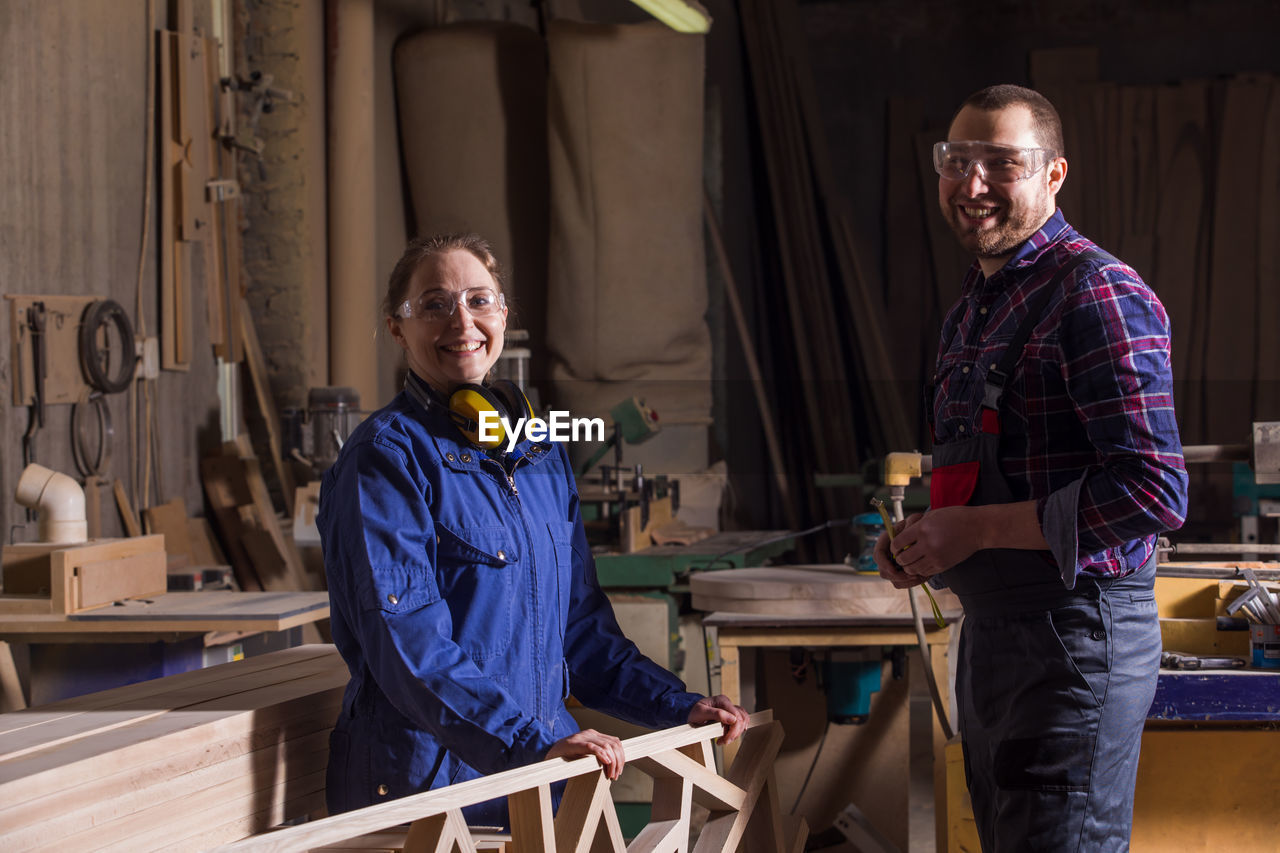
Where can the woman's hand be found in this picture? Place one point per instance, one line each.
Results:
(606, 748)
(719, 709)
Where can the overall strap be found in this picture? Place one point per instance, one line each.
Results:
(999, 374)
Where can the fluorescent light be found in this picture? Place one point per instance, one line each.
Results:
(684, 16)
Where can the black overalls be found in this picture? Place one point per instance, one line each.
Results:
(1053, 684)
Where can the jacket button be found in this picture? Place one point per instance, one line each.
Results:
(382, 790)
(449, 456)
(962, 427)
(1098, 634)
(982, 310)
(502, 555)
(964, 369)
(466, 457)
(392, 598)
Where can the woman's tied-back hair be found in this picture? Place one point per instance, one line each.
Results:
(1044, 117)
(421, 248)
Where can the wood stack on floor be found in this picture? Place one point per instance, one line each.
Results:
(180, 763)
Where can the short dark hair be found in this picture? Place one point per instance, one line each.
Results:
(1044, 117)
(421, 248)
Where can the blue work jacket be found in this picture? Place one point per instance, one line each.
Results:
(464, 600)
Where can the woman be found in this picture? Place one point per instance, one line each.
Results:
(463, 594)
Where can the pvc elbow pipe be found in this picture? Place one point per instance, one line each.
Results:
(59, 501)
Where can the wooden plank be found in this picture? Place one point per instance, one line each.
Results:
(532, 826)
(764, 832)
(154, 689)
(452, 834)
(308, 801)
(580, 811)
(262, 754)
(257, 365)
(11, 695)
(174, 303)
(1267, 378)
(113, 809)
(1231, 355)
(170, 520)
(288, 573)
(711, 790)
(1180, 276)
(909, 281)
(205, 550)
(150, 619)
(749, 770)
(28, 751)
(205, 69)
(104, 581)
(660, 836)
(127, 515)
(226, 490)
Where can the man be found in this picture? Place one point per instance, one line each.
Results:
(1056, 463)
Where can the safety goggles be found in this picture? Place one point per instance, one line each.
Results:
(437, 306)
(996, 164)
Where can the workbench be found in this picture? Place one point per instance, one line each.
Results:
(136, 640)
(731, 633)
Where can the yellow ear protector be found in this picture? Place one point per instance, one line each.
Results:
(502, 396)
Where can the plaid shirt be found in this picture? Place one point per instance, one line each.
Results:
(1087, 424)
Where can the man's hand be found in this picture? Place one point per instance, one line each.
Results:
(606, 748)
(938, 540)
(719, 709)
(929, 544)
(890, 570)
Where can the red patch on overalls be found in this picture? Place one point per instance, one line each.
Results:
(953, 485)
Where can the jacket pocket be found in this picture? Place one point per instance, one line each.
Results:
(476, 571)
(561, 533)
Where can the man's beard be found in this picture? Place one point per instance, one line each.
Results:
(1018, 224)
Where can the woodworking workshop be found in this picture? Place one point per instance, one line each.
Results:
(847, 426)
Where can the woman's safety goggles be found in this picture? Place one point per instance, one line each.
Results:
(996, 164)
(438, 305)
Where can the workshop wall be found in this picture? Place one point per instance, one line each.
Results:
(73, 218)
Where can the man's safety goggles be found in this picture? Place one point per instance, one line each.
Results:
(996, 164)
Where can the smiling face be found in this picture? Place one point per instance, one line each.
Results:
(462, 348)
(993, 219)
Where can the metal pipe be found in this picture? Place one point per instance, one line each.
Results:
(1218, 453)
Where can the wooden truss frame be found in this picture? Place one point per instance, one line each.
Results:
(743, 805)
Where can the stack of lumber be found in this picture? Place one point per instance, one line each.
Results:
(180, 763)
